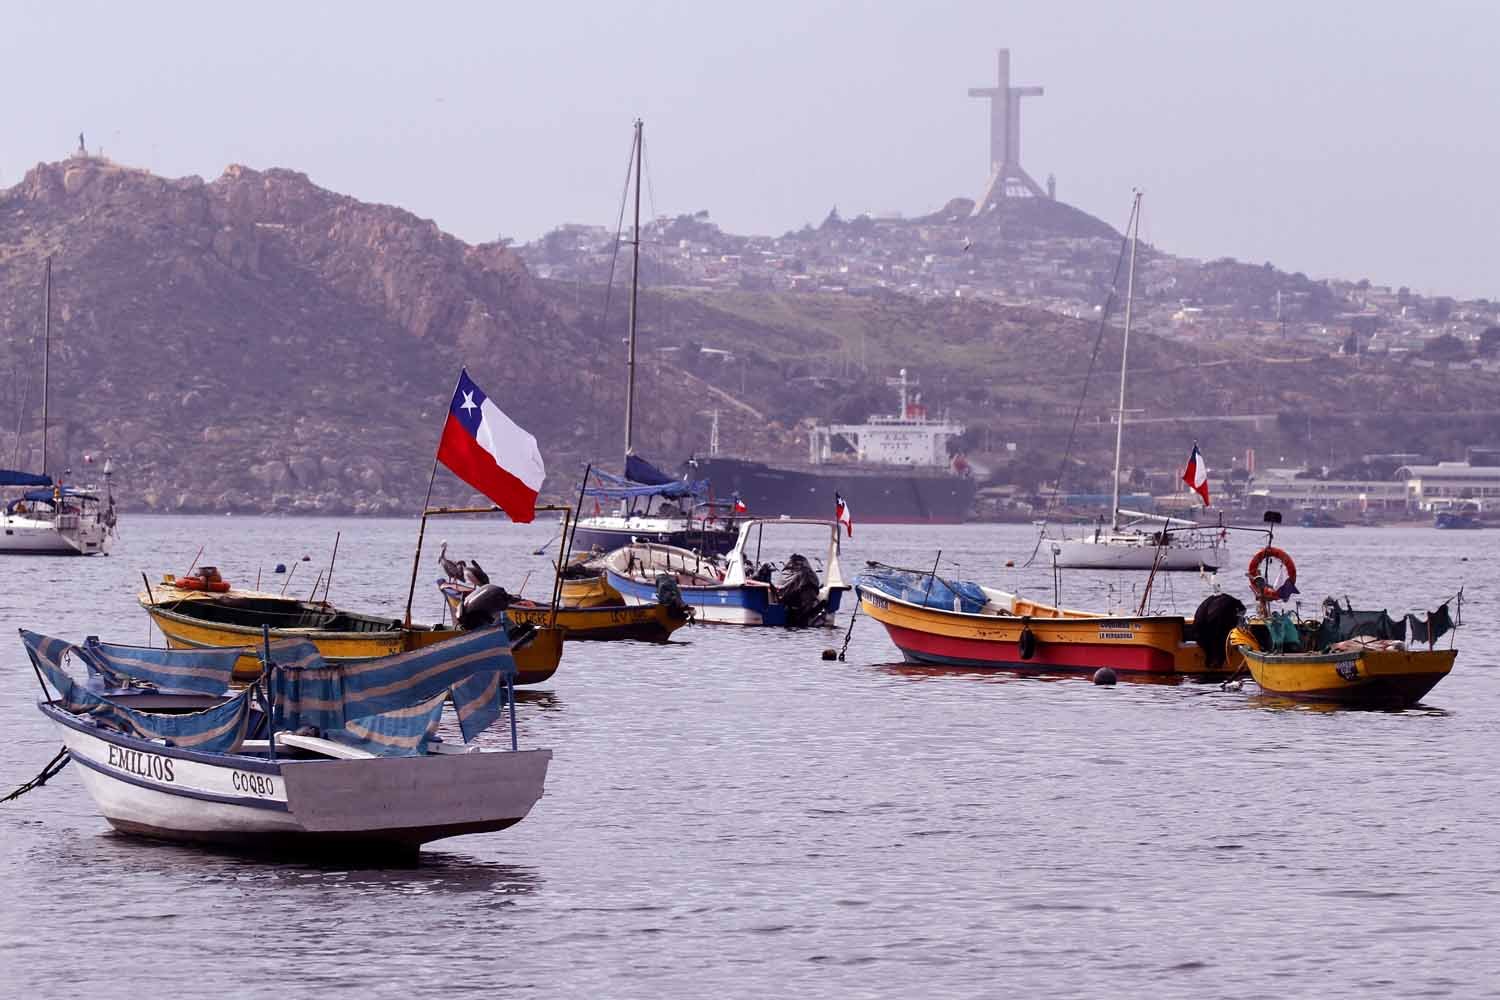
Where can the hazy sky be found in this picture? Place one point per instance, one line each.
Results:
(1341, 139)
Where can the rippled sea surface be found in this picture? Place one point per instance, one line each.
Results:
(731, 815)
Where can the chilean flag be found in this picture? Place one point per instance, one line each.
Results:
(841, 512)
(488, 451)
(1196, 474)
(739, 505)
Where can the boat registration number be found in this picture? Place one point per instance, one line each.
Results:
(1116, 634)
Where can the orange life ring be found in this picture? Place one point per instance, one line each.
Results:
(1258, 585)
(198, 583)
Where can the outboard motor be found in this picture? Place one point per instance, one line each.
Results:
(1215, 618)
(669, 595)
(797, 591)
(484, 606)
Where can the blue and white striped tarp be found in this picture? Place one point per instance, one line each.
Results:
(400, 733)
(473, 667)
(205, 671)
(220, 729)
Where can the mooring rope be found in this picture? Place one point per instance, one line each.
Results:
(55, 765)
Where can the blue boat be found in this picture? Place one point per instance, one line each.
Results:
(1457, 520)
(737, 589)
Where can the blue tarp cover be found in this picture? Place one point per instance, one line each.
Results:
(612, 487)
(925, 589)
(638, 470)
(216, 730)
(13, 477)
(206, 671)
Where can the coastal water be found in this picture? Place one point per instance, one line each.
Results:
(730, 815)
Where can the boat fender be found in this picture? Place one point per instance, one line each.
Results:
(1027, 643)
(1104, 677)
(1258, 585)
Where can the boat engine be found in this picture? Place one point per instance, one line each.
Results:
(484, 606)
(669, 595)
(1215, 618)
(797, 591)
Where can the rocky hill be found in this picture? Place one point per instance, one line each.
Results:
(258, 342)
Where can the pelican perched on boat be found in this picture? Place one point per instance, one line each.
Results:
(454, 569)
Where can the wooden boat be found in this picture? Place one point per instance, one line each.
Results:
(376, 785)
(1371, 673)
(195, 619)
(586, 585)
(984, 627)
(731, 590)
(645, 622)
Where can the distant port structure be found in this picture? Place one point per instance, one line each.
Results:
(1008, 179)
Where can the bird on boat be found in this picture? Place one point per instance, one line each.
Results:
(475, 574)
(454, 569)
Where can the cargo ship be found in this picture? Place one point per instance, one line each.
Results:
(892, 469)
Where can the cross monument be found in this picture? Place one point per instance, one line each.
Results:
(1006, 176)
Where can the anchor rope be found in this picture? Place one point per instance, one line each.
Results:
(55, 765)
(850, 632)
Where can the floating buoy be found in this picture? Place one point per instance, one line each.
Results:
(1104, 677)
(307, 558)
(1009, 563)
(280, 568)
(830, 654)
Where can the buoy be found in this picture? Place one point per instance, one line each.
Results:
(1104, 677)
(307, 558)
(830, 654)
(280, 568)
(1009, 563)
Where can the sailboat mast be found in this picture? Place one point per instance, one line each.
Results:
(46, 353)
(1135, 233)
(635, 282)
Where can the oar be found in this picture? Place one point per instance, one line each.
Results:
(548, 543)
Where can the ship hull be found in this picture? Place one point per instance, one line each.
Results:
(875, 496)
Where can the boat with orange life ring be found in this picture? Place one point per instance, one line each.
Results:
(206, 579)
(1259, 586)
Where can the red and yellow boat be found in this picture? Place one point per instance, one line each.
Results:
(968, 625)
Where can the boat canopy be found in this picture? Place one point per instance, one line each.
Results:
(390, 706)
(638, 470)
(47, 496)
(923, 588)
(612, 487)
(13, 477)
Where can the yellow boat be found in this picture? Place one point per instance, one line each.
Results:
(977, 626)
(645, 622)
(1361, 673)
(191, 619)
(585, 584)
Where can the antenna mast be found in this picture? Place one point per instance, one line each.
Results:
(1135, 235)
(46, 354)
(635, 281)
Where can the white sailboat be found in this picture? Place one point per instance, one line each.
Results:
(49, 518)
(1135, 540)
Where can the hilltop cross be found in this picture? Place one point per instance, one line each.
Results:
(1005, 138)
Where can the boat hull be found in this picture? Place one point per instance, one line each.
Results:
(749, 604)
(1080, 553)
(23, 536)
(593, 592)
(877, 495)
(1143, 645)
(648, 622)
(1372, 678)
(386, 805)
(535, 663)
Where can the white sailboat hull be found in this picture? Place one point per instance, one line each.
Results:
(1137, 552)
(31, 536)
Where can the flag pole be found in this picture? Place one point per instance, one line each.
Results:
(416, 557)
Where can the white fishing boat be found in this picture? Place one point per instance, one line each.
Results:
(47, 517)
(737, 589)
(311, 758)
(1135, 540)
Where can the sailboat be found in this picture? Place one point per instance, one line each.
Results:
(48, 517)
(650, 506)
(1136, 540)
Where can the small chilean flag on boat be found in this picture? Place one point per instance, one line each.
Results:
(1196, 474)
(841, 511)
(739, 505)
(487, 450)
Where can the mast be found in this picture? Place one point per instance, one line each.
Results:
(1135, 233)
(635, 281)
(46, 353)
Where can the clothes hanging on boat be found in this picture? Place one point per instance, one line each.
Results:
(1432, 627)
